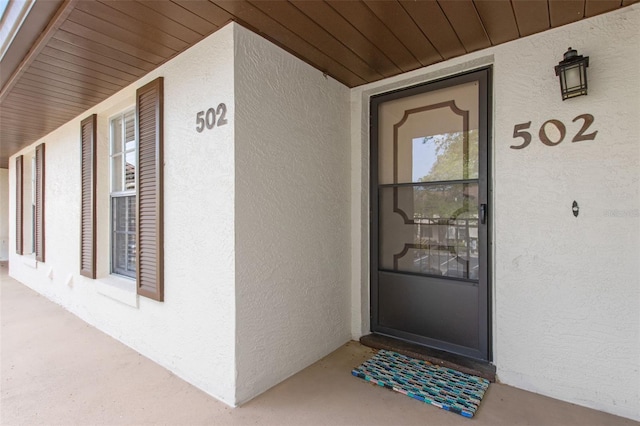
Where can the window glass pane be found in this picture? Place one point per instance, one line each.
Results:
(130, 171)
(131, 213)
(131, 252)
(116, 135)
(116, 173)
(123, 235)
(430, 229)
(130, 133)
(119, 252)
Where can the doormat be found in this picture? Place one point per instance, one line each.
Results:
(443, 387)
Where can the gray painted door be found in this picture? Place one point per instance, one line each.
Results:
(429, 170)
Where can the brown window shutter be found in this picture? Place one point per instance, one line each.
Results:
(149, 224)
(88, 206)
(19, 205)
(40, 203)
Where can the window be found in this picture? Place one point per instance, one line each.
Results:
(136, 162)
(30, 236)
(123, 194)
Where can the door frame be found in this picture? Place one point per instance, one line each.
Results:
(484, 76)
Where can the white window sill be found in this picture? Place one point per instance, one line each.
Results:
(119, 289)
(30, 260)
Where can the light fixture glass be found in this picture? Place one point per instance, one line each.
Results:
(572, 71)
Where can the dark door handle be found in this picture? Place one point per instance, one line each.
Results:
(483, 213)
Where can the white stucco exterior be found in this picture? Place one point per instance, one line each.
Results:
(256, 220)
(566, 290)
(267, 218)
(192, 333)
(291, 214)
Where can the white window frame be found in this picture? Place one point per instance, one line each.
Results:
(113, 194)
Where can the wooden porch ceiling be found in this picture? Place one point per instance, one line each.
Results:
(85, 51)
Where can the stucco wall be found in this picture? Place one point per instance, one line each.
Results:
(192, 332)
(292, 214)
(567, 317)
(566, 290)
(4, 214)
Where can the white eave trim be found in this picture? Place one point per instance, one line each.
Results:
(12, 20)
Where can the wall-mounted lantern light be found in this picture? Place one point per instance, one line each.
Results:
(572, 71)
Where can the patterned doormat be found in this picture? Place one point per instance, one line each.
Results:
(443, 387)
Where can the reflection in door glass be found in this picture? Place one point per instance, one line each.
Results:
(445, 157)
(430, 229)
(423, 158)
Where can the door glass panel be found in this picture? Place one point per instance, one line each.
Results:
(429, 137)
(448, 156)
(429, 229)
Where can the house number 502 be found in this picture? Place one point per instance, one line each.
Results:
(520, 131)
(211, 118)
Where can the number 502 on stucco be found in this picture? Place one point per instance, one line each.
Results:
(211, 118)
(521, 131)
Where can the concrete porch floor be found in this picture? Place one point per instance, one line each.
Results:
(57, 369)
